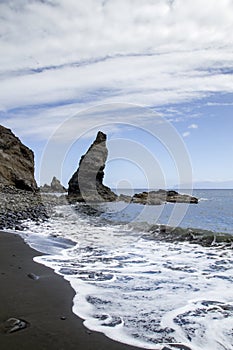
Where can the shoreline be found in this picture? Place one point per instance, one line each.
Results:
(46, 304)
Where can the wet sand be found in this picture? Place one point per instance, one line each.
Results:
(46, 304)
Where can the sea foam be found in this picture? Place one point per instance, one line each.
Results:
(138, 291)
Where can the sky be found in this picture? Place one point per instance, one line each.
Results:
(155, 75)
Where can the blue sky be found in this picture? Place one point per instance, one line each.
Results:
(156, 76)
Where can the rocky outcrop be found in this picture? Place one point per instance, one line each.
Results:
(175, 197)
(161, 196)
(205, 238)
(54, 187)
(86, 184)
(16, 162)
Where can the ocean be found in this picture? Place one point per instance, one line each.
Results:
(138, 291)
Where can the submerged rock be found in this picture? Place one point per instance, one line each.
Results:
(86, 184)
(205, 238)
(176, 347)
(16, 162)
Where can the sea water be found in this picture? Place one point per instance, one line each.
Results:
(138, 291)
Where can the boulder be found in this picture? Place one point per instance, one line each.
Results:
(54, 187)
(86, 184)
(16, 162)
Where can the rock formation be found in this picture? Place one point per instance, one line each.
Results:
(86, 184)
(16, 162)
(54, 187)
(161, 196)
(205, 238)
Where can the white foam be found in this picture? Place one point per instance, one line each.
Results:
(140, 292)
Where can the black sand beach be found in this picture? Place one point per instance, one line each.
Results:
(46, 304)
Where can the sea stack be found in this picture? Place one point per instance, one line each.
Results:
(16, 162)
(86, 184)
(54, 187)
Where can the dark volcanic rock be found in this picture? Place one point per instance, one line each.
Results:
(19, 205)
(175, 197)
(54, 187)
(16, 162)
(16, 206)
(205, 238)
(20, 199)
(86, 184)
(161, 196)
(150, 198)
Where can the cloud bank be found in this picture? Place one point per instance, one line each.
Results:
(59, 57)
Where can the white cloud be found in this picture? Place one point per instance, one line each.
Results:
(219, 104)
(186, 134)
(81, 53)
(64, 123)
(193, 126)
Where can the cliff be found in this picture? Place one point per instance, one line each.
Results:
(16, 162)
